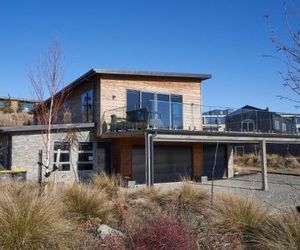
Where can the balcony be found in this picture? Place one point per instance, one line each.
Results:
(191, 117)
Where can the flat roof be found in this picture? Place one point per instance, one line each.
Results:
(153, 73)
(94, 71)
(31, 128)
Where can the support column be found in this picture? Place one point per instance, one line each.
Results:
(230, 162)
(264, 166)
(149, 159)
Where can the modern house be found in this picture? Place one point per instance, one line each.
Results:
(252, 119)
(145, 126)
(214, 119)
(292, 117)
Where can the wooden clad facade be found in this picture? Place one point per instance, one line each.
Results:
(114, 88)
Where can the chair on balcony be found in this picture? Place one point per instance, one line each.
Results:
(137, 119)
(117, 123)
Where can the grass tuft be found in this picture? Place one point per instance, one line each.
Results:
(31, 221)
(85, 201)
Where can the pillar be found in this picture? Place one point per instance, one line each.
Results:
(149, 159)
(264, 166)
(230, 161)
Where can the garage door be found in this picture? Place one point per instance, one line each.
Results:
(208, 161)
(170, 163)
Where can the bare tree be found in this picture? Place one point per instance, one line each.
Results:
(47, 80)
(288, 51)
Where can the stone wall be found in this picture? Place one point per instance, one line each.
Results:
(24, 154)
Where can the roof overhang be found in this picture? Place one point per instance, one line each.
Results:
(161, 135)
(34, 128)
(93, 72)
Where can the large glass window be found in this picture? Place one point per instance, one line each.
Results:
(87, 106)
(133, 100)
(148, 101)
(25, 106)
(85, 156)
(214, 120)
(61, 156)
(176, 112)
(163, 109)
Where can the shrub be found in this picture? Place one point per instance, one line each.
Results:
(162, 234)
(84, 201)
(31, 221)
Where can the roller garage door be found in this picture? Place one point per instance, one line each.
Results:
(208, 161)
(170, 163)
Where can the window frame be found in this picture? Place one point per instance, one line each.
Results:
(84, 151)
(155, 104)
(86, 114)
(58, 164)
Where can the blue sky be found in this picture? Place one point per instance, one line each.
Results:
(224, 38)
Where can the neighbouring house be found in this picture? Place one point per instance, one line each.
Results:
(214, 119)
(252, 119)
(10, 104)
(145, 126)
(292, 117)
(16, 111)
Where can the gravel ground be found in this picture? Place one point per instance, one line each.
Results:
(284, 190)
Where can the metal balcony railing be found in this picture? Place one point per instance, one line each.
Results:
(183, 116)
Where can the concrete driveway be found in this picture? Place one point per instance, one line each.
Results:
(284, 190)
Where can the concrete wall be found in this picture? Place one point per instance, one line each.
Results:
(24, 154)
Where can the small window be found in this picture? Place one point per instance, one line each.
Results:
(85, 156)
(61, 156)
(248, 125)
(87, 106)
(277, 124)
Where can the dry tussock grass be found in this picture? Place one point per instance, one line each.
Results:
(31, 221)
(68, 218)
(274, 161)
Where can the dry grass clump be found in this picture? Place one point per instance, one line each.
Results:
(292, 162)
(31, 221)
(108, 183)
(85, 201)
(15, 119)
(274, 161)
(241, 215)
(280, 232)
